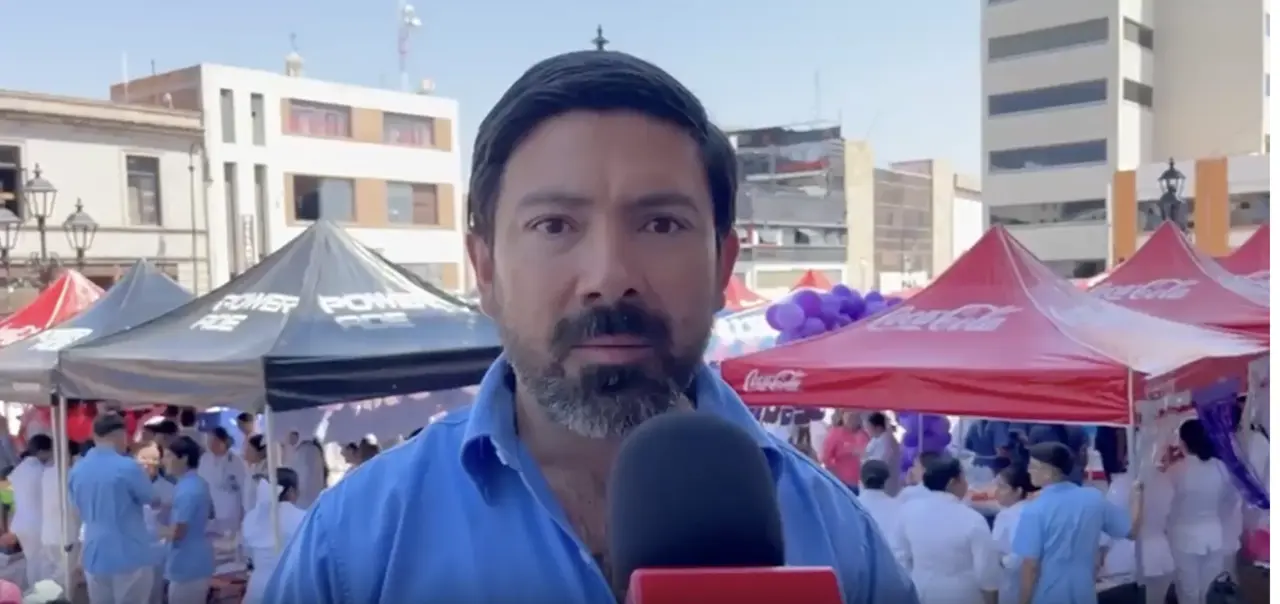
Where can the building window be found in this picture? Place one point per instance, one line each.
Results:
(1139, 34)
(1150, 218)
(412, 130)
(1065, 95)
(1077, 269)
(11, 179)
(1137, 92)
(1250, 209)
(317, 197)
(256, 108)
(1050, 38)
(142, 174)
(262, 201)
(1048, 156)
(413, 203)
(1083, 211)
(316, 119)
(228, 106)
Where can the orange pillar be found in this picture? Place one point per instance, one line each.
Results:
(1124, 215)
(1213, 207)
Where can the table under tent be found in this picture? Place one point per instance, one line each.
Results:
(28, 367)
(322, 320)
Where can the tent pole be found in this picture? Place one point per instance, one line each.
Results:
(273, 463)
(62, 457)
(1135, 469)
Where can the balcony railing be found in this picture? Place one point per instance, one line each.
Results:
(792, 253)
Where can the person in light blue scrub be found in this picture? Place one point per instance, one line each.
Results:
(1060, 531)
(110, 491)
(601, 230)
(189, 565)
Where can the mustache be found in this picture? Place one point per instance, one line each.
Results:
(620, 319)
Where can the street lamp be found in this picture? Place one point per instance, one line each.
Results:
(80, 229)
(1171, 205)
(10, 227)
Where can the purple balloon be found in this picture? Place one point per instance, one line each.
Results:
(809, 301)
(842, 291)
(843, 321)
(785, 337)
(873, 296)
(908, 457)
(812, 327)
(892, 301)
(787, 315)
(830, 304)
(853, 307)
(911, 438)
(908, 420)
(873, 307)
(936, 442)
(771, 316)
(936, 424)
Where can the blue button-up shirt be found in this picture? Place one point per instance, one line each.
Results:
(461, 513)
(190, 558)
(109, 491)
(1062, 528)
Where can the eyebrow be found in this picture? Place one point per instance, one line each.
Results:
(649, 201)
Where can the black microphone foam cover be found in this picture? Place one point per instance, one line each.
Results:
(692, 490)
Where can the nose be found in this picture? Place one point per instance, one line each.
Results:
(607, 270)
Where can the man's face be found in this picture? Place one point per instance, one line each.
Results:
(293, 438)
(605, 269)
(1041, 473)
(149, 459)
(217, 446)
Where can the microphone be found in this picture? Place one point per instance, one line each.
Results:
(693, 517)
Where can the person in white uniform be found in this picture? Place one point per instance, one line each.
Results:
(259, 536)
(915, 476)
(308, 462)
(1013, 486)
(1153, 535)
(945, 545)
(255, 459)
(1203, 501)
(28, 514)
(226, 475)
(884, 447)
(882, 506)
(60, 559)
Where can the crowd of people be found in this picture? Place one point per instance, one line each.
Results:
(1052, 534)
(203, 496)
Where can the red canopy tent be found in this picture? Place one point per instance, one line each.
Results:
(1253, 259)
(64, 298)
(812, 279)
(738, 297)
(996, 335)
(1169, 278)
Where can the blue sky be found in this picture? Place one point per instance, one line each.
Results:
(903, 73)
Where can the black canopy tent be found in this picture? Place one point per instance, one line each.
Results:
(322, 320)
(143, 293)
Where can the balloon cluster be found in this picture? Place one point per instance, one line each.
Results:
(923, 433)
(807, 313)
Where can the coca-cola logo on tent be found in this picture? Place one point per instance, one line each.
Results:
(967, 318)
(1157, 290)
(9, 335)
(786, 380)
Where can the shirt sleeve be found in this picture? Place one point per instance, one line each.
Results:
(186, 504)
(1028, 538)
(1115, 520)
(139, 486)
(306, 572)
(986, 557)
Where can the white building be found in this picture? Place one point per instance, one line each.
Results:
(285, 150)
(136, 170)
(1074, 91)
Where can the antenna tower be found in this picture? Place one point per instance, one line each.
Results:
(408, 22)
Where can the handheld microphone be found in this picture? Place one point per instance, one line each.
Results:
(693, 517)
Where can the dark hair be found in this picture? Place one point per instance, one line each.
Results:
(40, 443)
(165, 427)
(221, 434)
(287, 480)
(1017, 477)
(1196, 440)
(187, 417)
(87, 446)
(927, 457)
(879, 420)
(368, 449)
(107, 423)
(170, 411)
(1055, 454)
(1106, 441)
(1237, 415)
(73, 448)
(940, 472)
(186, 449)
(244, 417)
(258, 443)
(594, 81)
(353, 447)
(875, 474)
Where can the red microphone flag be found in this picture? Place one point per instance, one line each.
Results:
(775, 585)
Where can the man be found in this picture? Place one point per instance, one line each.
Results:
(1073, 437)
(884, 447)
(601, 232)
(227, 477)
(110, 491)
(882, 507)
(156, 514)
(187, 425)
(915, 476)
(945, 544)
(1059, 531)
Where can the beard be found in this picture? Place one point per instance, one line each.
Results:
(607, 400)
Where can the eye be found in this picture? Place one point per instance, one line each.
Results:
(551, 226)
(664, 225)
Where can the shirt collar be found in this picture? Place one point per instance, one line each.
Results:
(489, 439)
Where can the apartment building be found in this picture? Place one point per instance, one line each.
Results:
(136, 172)
(285, 150)
(1227, 199)
(1075, 91)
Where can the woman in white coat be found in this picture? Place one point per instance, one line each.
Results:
(226, 475)
(944, 544)
(1153, 535)
(313, 474)
(1203, 502)
(260, 536)
(28, 516)
(1013, 486)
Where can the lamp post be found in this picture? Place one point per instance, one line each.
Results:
(39, 197)
(10, 227)
(80, 229)
(1171, 205)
